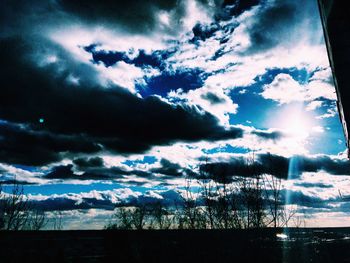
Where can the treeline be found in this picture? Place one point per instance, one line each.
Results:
(235, 203)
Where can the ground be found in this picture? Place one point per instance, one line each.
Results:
(302, 245)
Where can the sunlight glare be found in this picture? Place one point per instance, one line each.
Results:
(295, 122)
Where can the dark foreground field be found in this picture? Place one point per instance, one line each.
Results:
(302, 245)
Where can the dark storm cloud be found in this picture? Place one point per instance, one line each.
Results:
(264, 164)
(88, 162)
(271, 25)
(138, 16)
(274, 165)
(93, 169)
(61, 172)
(21, 145)
(66, 172)
(281, 22)
(113, 118)
(21, 16)
(203, 32)
(325, 163)
(153, 60)
(236, 166)
(168, 168)
(236, 7)
(109, 58)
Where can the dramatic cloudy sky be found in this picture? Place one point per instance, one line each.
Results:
(103, 102)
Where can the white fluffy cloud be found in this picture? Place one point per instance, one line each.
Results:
(284, 89)
(211, 99)
(9, 172)
(314, 105)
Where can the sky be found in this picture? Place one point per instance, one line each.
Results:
(108, 102)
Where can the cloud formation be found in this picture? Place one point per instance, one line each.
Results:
(198, 87)
(94, 113)
(278, 166)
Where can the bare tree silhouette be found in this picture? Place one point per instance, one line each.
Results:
(16, 212)
(227, 201)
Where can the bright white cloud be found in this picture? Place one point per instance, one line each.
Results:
(331, 112)
(10, 172)
(210, 99)
(313, 105)
(121, 74)
(318, 129)
(284, 89)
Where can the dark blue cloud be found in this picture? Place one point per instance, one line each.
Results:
(203, 32)
(298, 198)
(66, 172)
(26, 147)
(88, 162)
(222, 50)
(168, 168)
(325, 163)
(273, 25)
(133, 16)
(186, 79)
(269, 135)
(87, 118)
(61, 172)
(66, 203)
(110, 58)
(313, 185)
(234, 8)
(154, 60)
(276, 165)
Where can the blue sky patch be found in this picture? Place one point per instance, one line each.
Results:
(146, 160)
